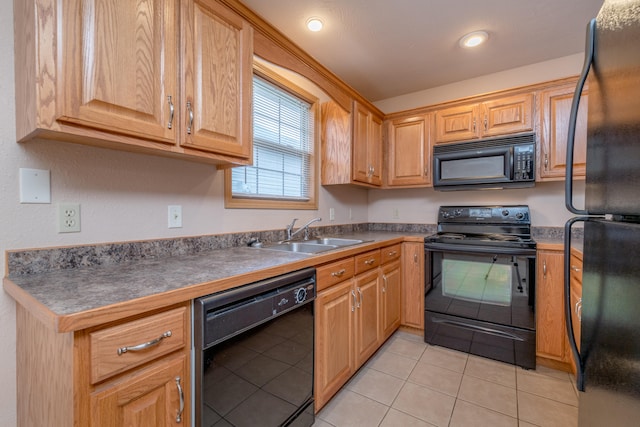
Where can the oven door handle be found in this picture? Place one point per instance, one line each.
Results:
(452, 247)
(476, 328)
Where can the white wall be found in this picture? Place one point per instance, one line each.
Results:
(124, 196)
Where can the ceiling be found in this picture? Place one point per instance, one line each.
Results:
(387, 48)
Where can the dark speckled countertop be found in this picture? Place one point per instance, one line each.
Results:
(76, 298)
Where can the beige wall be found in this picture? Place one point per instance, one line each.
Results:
(124, 196)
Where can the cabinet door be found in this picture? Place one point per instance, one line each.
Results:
(218, 75)
(457, 123)
(361, 168)
(551, 341)
(119, 66)
(367, 316)
(413, 285)
(336, 145)
(408, 152)
(149, 398)
(390, 290)
(576, 294)
(556, 109)
(507, 115)
(334, 345)
(366, 146)
(374, 149)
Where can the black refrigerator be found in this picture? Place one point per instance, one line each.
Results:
(608, 359)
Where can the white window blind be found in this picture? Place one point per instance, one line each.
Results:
(283, 132)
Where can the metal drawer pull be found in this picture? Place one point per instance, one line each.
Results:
(190, 111)
(579, 308)
(355, 301)
(181, 394)
(544, 269)
(393, 253)
(415, 257)
(338, 273)
(171, 111)
(144, 346)
(576, 269)
(359, 293)
(370, 261)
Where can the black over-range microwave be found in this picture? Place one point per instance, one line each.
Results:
(504, 162)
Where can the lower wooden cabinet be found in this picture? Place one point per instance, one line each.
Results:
(121, 374)
(413, 285)
(552, 344)
(357, 309)
(390, 295)
(152, 397)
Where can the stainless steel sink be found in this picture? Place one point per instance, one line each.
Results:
(302, 247)
(337, 241)
(313, 246)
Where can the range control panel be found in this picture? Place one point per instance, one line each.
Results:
(488, 214)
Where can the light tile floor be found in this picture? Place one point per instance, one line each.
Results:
(409, 383)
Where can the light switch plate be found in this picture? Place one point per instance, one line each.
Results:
(35, 186)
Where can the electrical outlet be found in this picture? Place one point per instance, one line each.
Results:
(175, 216)
(332, 214)
(396, 213)
(68, 217)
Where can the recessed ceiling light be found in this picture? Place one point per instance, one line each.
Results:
(314, 24)
(474, 39)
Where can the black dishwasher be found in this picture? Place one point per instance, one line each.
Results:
(254, 353)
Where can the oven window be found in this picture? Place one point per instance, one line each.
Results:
(486, 282)
(477, 167)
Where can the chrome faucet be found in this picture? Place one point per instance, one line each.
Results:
(291, 234)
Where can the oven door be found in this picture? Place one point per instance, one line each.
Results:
(482, 302)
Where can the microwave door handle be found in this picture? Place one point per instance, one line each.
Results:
(573, 117)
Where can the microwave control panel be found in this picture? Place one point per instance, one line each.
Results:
(523, 162)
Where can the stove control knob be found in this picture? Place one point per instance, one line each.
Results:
(505, 213)
(520, 216)
(458, 212)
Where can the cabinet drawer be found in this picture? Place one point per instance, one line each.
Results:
(367, 261)
(331, 274)
(122, 347)
(390, 253)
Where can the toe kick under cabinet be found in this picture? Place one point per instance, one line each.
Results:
(134, 372)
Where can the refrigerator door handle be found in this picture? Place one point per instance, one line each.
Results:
(588, 59)
(567, 301)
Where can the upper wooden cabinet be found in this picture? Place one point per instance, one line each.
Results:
(118, 66)
(366, 145)
(556, 109)
(218, 79)
(106, 73)
(408, 152)
(351, 146)
(500, 116)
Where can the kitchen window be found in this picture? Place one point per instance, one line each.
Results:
(283, 173)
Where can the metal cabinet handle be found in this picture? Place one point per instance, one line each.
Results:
(393, 253)
(359, 293)
(384, 279)
(144, 346)
(474, 125)
(485, 124)
(546, 161)
(426, 171)
(370, 261)
(544, 269)
(338, 273)
(181, 394)
(415, 257)
(171, 111)
(576, 269)
(355, 301)
(578, 308)
(190, 111)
